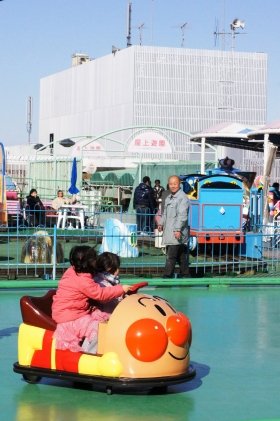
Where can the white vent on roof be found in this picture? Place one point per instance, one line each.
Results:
(79, 58)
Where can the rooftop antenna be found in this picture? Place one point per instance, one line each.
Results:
(183, 27)
(222, 33)
(217, 34)
(29, 117)
(128, 38)
(234, 27)
(140, 29)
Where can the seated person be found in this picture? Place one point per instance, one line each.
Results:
(226, 165)
(60, 200)
(274, 189)
(107, 274)
(35, 208)
(273, 201)
(76, 316)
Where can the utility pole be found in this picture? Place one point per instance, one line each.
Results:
(29, 117)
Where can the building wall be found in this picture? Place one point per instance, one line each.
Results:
(194, 89)
(89, 99)
(185, 89)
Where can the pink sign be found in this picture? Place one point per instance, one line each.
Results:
(150, 142)
(86, 149)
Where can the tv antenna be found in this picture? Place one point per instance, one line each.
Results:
(234, 30)
(140, 29)
(129, 13)
(183, 28)
(217, 33)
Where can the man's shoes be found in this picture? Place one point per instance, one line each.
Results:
(168, 276)
(186, 275)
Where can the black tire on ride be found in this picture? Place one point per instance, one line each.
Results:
(31, 378)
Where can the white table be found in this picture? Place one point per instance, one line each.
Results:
(65, 214)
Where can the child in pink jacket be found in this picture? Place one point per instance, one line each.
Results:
(73, 310)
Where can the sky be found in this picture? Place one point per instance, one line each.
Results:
(38, 38)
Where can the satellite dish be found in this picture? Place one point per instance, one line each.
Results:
(236, 24)
(115, 49)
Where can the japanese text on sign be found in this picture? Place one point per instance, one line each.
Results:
(149, 142)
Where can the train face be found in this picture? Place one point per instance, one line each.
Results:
(216, 207)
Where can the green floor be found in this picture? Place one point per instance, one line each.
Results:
(235, 350)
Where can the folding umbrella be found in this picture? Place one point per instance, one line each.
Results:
(73, 188)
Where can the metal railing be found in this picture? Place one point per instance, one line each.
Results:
(28, 251)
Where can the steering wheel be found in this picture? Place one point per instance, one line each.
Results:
(135, 287)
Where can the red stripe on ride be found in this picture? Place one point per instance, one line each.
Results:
(67, 360)
(42, 358)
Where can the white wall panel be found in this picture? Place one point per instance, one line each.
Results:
(88, 99)
(186, 89)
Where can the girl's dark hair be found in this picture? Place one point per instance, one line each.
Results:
(91, 260)
(107, 262)
(32, 191)
(83, 258)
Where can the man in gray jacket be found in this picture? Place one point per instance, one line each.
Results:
(174, 224)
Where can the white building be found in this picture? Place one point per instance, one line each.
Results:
(155, 87)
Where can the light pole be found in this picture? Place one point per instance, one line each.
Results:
(57, 165)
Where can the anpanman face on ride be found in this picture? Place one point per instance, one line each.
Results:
(146, 340)
(150, 337)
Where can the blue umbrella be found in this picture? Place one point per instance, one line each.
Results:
(73, 189)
